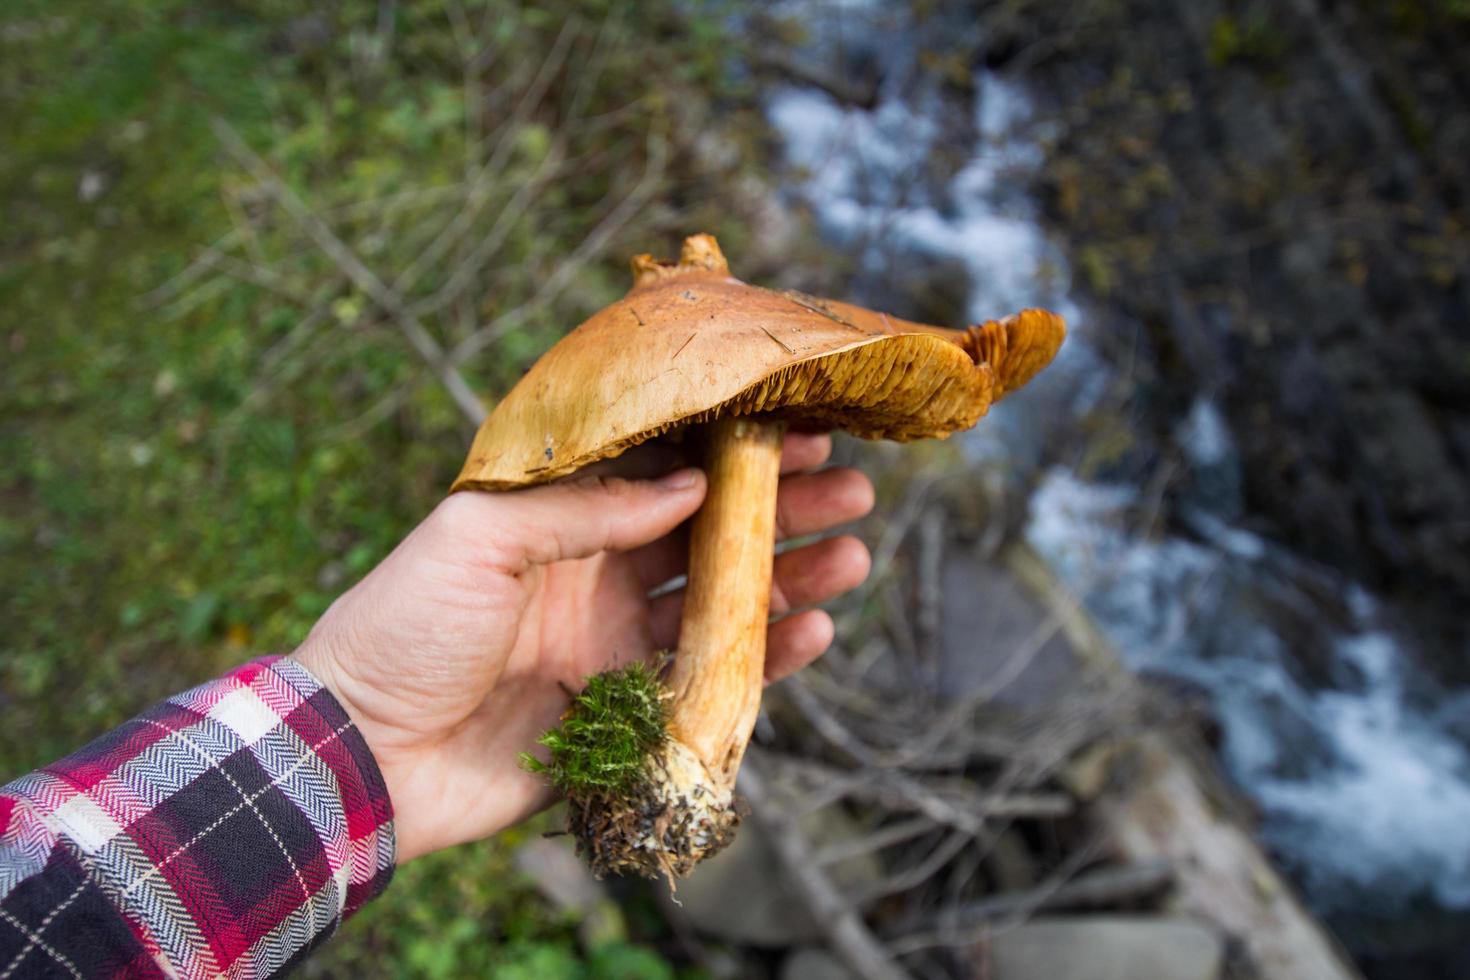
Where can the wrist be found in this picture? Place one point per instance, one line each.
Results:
(319, 660)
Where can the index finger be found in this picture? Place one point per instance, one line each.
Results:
(804, 451)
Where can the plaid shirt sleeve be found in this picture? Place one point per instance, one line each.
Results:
(224, 832)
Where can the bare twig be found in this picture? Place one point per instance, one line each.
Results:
(354, 427)
(292, 364)
(901, 522)
(202, 293)
(533, 94)
(895, 833)
(962, 925)
(473, 262)
(294, 339)
(954, 803)
(589, 247)
(363, 277)
(928, 622)
(916, 874)
(845, 930)
(257, 274)
(175, 284)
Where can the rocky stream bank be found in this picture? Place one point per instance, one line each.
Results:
(1249, 470)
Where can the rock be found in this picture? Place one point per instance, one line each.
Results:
(989, 636)
(742, 896)
(1106, 948)
(1176, 808)
(811, 963)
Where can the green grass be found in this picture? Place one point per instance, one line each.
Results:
(192, 469)
(603, 745)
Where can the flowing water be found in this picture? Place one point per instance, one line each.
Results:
(1359, 764)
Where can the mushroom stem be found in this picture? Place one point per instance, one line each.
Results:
(718, 672)
(679, 808)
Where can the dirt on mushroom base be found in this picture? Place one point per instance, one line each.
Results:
(664, 826)
(638, 800)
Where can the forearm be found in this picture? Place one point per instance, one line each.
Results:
(226, 830)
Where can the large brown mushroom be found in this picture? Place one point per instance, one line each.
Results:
(692, 348)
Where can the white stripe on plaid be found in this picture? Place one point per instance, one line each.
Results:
(248, 733)
(245, 715)
(243, 718)
(27, 842)
(34, 940)
(320, 914)
(366, 858)
(232, 811)
(311, 786)
(151, 900)
(149, 893)
(85, 821)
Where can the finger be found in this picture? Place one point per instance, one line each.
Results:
(806, 503)
(818, 572)
(811, 502)
(803, 577)
(804, 451)
(576, 518)
(794, 642)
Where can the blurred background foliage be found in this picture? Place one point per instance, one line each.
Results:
(202, 444)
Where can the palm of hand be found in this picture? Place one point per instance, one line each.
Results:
(464, 645)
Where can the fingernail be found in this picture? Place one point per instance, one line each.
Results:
(679, 479)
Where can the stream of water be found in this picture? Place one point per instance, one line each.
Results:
(1356, 762)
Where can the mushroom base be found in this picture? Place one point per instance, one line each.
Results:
(670, 821)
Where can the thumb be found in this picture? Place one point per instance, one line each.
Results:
(580, 518)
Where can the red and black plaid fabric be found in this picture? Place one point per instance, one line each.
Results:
(224, 832)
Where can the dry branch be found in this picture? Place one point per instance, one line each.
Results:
(1104, 888)
(360, 275)
(953, 802)
(845, 930)
(590, 246)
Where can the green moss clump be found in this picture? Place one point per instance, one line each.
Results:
(604, 742)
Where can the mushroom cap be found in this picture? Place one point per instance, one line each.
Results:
(690, 343)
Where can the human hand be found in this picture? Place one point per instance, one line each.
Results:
(457, 651)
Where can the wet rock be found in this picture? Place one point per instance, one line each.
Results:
(1106, 948)
(1344, 377)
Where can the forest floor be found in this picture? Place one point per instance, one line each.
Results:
(208, 429)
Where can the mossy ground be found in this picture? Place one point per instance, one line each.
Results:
(188, 481)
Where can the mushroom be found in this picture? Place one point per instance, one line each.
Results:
(692, 349)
